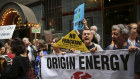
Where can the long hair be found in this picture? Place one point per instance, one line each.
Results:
(42, 45)
(17, 46)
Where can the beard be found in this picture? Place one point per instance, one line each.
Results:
(120, 43)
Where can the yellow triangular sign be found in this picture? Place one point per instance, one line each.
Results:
(71, 40)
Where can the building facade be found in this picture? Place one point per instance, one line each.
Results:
(102, 13)
(24, 14)
(57, 15)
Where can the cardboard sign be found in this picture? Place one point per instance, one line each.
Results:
(71, 40)
(118, 64)
(78, 17)
(36, 29)
(6, 32)
(48, 35)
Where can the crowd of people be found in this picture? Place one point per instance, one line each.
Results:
(25, 57)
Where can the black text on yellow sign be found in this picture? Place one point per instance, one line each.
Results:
(71, 40)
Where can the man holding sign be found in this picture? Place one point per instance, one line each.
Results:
(119, 36)
(87, 37)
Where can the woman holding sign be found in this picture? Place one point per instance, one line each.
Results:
(42, 50)
(56, 50)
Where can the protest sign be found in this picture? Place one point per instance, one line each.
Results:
(6, 32)
(36, 29)
(71, 40)
(117, 64)
(78, 17)
(48, 35)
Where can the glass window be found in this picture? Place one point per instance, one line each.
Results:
(53, 15)
(117, 12)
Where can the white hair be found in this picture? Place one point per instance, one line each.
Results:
(123, 28)
(25, 38)
(95, 27)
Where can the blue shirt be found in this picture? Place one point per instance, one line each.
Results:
(37, 63)
(126, 47)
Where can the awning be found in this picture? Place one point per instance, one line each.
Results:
(26, 14)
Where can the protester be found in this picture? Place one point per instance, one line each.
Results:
(19, 67)
(9, 53)
(56, 50)
(8, 49)
(7, 44)
(119, 37)
(3, 58)
(137, 58)
(94, 39)
(42, 50)
(30, 50)
(2, 62)
(87, 37)
(132, 34)
(94, 30)
(3, 50)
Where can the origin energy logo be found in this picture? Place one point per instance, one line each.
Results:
(81, 75)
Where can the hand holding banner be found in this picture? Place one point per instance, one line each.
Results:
(101, 65)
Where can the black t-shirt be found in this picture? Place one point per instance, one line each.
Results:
(90, 47)
(18, 69)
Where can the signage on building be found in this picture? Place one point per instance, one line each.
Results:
(78, 17)
(36, 29)
(100, 65)
(6, 32)
(71, 41)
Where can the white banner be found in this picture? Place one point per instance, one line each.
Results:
(6, 32)
(117, 64)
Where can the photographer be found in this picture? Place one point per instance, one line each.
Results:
(3, 61)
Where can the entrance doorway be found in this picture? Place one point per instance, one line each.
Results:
(21, 33)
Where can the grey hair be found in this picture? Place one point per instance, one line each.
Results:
(94, 27)
(27, 39)
(123, 28)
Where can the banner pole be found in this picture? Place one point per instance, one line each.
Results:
(35, 39)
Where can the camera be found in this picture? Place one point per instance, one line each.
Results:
(5, 57)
